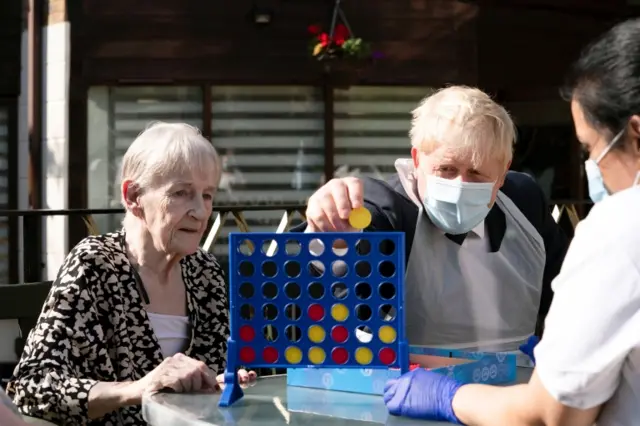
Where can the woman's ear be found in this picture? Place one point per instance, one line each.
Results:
(131, 197)
(634, 131)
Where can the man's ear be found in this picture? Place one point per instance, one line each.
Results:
(415, 156)
(504, 175)
(131, 197)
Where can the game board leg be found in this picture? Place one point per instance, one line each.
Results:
(403, 349)
(232, 390)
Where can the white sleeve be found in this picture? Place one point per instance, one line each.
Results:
(594, 320)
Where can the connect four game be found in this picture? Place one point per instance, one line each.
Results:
(315, 300)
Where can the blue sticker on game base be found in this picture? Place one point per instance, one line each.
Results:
(315, 300)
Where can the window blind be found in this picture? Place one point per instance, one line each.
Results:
(271, 141)
(371, 126)
(122, 116)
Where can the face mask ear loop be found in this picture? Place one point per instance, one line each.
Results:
(611, 145)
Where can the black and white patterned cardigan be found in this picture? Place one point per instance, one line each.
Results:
(93, 327)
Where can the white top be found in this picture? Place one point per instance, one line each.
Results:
(171, 332)
(590, 351)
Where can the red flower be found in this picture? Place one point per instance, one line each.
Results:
(314, 29)
(341, 32)
(324, 39)
(339, 41)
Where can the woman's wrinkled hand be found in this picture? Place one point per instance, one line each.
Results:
(179, 373)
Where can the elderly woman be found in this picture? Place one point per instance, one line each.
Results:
(137, 310)
(588, 361)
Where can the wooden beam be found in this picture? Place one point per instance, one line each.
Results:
(13, 184)
(78, 121)
(206, 111)
(329, 134)
(33, 225)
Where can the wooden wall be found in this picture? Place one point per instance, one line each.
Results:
(515, 46)
(524, 52)
(203, 40)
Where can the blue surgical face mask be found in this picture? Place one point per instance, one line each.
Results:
(454, 206)
(597, 189)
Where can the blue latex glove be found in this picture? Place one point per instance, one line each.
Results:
(528, 346)
(422, 394)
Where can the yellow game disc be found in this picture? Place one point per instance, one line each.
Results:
(360, 218)
(316, 355)
(293, 355)
(387, 334)
(364, 356)
(316, 334)
(339, 312)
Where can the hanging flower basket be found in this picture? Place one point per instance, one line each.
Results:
(343, 57)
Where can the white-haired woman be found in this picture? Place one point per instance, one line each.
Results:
(136, 310)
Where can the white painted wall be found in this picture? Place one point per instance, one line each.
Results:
(55, 150)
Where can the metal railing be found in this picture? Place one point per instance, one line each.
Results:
(222, 213)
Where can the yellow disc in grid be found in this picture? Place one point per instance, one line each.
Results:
(360, 218)
(293, 355)
(316, 355)
(339, 312)
(387, 334)
(316, 334)
(364, 356)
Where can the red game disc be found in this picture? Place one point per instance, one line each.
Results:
(387, 356)
(247, 333)
(339, 355)
(270, 355)
(315, 312)
(339, 334)
(247, 355)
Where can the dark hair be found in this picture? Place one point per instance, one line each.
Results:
(605, 80)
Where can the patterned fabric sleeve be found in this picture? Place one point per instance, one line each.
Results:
(48, 382)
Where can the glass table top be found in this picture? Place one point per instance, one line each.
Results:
(271, 402)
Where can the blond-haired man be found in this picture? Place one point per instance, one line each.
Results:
(481, 245)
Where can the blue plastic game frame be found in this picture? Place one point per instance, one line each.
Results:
(257, 257)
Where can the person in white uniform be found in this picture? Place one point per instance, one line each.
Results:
(482, 247)
(588, 361)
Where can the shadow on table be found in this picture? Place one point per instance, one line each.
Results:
(343, 405)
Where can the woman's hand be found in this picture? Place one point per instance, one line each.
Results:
(422, 394)
(181, 374)
(245, 378)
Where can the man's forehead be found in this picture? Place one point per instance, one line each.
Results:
(445, 154)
